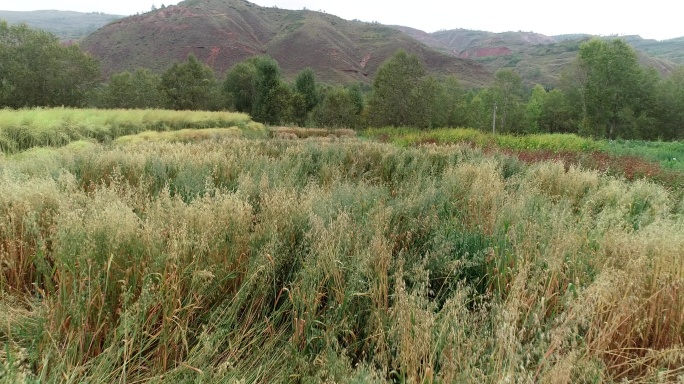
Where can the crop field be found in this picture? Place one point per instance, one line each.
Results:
(228, 252)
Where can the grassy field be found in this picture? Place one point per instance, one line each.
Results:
(25, 129)
(215, 258)
(661, 162)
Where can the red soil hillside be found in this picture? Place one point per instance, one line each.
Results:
(222, 33)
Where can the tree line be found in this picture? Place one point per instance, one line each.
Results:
(606, 93)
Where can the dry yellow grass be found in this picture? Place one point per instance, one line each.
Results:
(298, 261)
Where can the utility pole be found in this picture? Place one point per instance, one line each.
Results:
(494, 121)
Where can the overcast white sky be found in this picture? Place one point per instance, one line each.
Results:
(655, 19)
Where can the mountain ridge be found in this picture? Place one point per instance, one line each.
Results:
(223, 33)
(66, 25)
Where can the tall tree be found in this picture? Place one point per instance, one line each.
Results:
(450, 106)
(670, 106)
(36, 70)
(190, 86)
(402, 95)
(239, 86)
(137, 90)
(535, 108)
(339, 109)
(305, 85)
(507, 96)
(614, 88)
(270, 103)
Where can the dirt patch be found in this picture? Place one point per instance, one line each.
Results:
(494, 51)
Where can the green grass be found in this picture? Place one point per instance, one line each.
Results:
(243, 260)
(669, 155)
(24, 129)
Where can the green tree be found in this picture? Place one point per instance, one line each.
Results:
(559, 114)
(450, 105)
(506, 94)
(239, 86)
(614, 89)
(137, 90)
(339, 109)
(357, 97)
(190, 86)
(535, 108)
(36, 70)
(270, 103)
(670, 106)
(402, 95)
(305, 85)
(479, 112)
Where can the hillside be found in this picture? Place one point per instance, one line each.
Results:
(672, 49)
(222, 33)
(538, 58)
(66, 25)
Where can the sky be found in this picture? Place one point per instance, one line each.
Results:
(655, 19)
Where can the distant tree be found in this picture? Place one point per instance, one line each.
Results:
(339, 109)
(450, 105)
(670, 106)
(137, 90)
(239, 86)
(190, 86)
(356, 94)
(614, 88)
(402, 95)
(559, 114)
(305, 85)
(270, 103)
(506, 94)
(535, 108)
(36, 70)
(479, 112)
(297, 111)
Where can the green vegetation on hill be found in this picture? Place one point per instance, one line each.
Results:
(65, 25)
(320, 261)
(538, 58)
(672, 49)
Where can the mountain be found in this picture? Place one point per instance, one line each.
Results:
(225, 32)
(538, 58)
(672, 49)
(66, 25)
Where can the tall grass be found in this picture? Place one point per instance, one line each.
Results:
(24, 129)
(669, 155)
(305, 261)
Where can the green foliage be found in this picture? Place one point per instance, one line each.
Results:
(305, 85)
(190, 86)
(507, 94)
(402, 94)
(25, 129)
(535, 108)
(670, 107)
(339, 109)
(558, 115)
(138, 90)
(271, 95)
(614, 87)
(37, 71)
(239, 86)
(450, 109)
